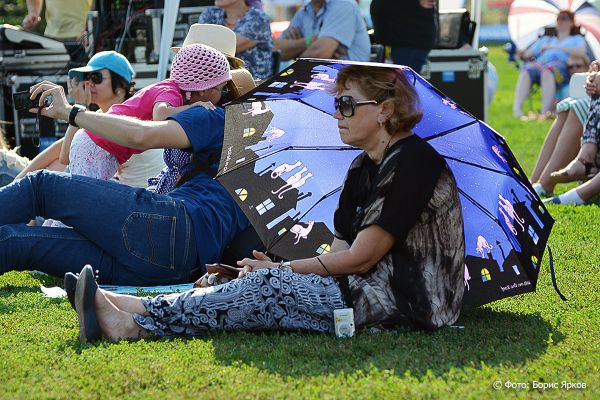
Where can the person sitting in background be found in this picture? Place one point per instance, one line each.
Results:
(563, 139)
(585, 164)
(94, 156)
(576, 63)
(397, 259)
(546, 63)
(108, 80)
(326, 29)
(222, 39)
(254, 42)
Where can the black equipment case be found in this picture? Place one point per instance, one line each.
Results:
(462, 76)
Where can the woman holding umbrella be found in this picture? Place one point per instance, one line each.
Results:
(398, 257)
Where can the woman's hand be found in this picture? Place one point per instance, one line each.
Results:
(80, 91)
(293, 33)
(261, 261)
(59, 106)
(30, 21)
(592, 83)
(206, 104)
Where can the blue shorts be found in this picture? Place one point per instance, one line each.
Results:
(558, 69)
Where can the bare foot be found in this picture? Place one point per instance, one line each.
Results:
(115, 324)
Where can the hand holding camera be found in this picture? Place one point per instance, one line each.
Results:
(22, 101)
(57, 107)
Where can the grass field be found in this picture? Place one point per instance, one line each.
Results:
(513, 342)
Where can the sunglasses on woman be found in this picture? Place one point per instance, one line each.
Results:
(95, 76)
(562, 18)
(224, 90)
(575, 66)
(347, 105)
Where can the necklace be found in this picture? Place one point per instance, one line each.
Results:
(387, 147)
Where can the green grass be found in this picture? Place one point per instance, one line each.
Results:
(531, 337)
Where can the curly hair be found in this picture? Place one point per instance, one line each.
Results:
(385, 85)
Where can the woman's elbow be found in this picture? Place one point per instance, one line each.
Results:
(139, 139)
(364, 267)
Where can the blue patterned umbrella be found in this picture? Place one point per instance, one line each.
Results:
(284, 163)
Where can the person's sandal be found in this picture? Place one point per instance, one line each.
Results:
(85, 304)
(70, 285)
(564, 177)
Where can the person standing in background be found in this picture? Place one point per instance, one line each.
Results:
(65, 21)
(409, 27)
(254, 41)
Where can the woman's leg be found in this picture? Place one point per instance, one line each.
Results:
(521, 92)
(115, 322)
(548, 85)
(565, 150)
(579, 195)
(148, 235)
(589, 189)
(549, 146)
(125, 302)
(54, 251)
(267, 299)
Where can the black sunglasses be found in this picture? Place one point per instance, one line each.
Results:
(347, 105)
(95, 76)
(224, 91)
(573, 66)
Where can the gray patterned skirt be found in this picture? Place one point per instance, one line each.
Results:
(268, 299)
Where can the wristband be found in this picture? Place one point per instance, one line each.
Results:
(76, 108)
(286, 265)
(308, 41)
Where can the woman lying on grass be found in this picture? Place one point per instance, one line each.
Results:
(398, 257)
(131, 236)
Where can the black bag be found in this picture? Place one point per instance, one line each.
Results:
(455, 29)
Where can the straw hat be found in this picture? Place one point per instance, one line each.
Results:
(242, 79)
(216, 36)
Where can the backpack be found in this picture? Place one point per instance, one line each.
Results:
(455, 29)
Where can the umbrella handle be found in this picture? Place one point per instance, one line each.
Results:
(553, 276)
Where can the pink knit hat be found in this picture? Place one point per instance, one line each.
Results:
(199, 67)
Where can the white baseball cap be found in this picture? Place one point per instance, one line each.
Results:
(216, 36)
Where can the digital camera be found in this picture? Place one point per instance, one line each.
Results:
(21, 101)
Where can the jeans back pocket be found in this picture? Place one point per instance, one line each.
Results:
(151, 237)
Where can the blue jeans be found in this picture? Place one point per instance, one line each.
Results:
(411, 57)
(131, 236)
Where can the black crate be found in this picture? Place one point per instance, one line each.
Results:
(462, 76)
